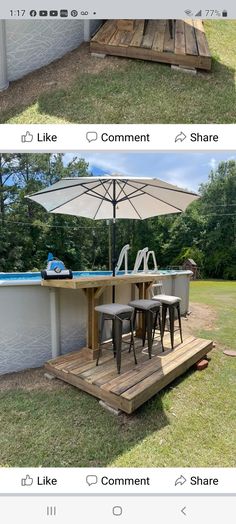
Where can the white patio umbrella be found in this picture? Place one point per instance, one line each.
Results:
(113, 197)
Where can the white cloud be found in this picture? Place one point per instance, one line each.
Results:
(212, 163)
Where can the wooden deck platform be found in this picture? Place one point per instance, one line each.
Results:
(151, 40)
(136, 384)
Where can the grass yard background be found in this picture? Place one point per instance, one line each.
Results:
(82, 89)
(190, 423)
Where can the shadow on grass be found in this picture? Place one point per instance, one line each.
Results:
(147, 93)
(66, 427)
(137, 92)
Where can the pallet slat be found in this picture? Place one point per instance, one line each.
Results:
(203, 48)
(138, 34)
(180, 47)
(149, 34)
(169, 43)
(116, 37)
(150, 386)
(104, 34)
(147, 369)
(158, 42)
(190, 38)
(136, 384)
(188, 48)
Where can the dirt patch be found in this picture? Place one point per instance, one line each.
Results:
(60, 74)
(30, 380)
(201, 317)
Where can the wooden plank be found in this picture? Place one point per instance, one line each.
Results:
(126, 25)
(180, 38)
(113, 400)
(202, 44)
(79, 368)
(65, 358)
(157, 386)
(140, 392)
(96, 37)
(158, 42)
(123, 379)
(190, 38)
(154, 56)
(148, 37)
(138, 34)
(116, 37)
(169, 42)
(99, 292)
(110, 374)
(104, 34)
(178, 362)
(92, 320)
(126, 38)
(100, 281)
(150, 367)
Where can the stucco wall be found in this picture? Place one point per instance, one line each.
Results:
(31, 44)
(25, 330)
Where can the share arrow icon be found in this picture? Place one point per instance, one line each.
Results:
(180, 480)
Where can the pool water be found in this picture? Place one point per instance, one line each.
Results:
(35, 277)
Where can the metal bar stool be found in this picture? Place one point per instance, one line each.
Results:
(117, 313)
(152, 317)
(170, 303)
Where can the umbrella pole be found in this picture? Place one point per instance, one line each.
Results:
(114, 240)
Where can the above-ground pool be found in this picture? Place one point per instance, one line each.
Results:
(28, 310)
(36, 276)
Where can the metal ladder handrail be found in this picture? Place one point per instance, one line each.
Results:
(123, 256)
(152, 254)
(141, 258)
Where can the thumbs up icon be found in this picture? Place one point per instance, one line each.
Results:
(28, 137)
(27, 481)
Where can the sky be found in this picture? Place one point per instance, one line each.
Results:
(187, 170)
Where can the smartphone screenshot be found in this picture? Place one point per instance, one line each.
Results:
(117, 262)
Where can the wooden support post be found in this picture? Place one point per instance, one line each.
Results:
(93, 294)
(92, 341)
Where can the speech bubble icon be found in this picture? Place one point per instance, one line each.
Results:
(91, 136)
(91, 479)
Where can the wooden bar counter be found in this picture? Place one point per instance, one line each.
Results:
(93, 287)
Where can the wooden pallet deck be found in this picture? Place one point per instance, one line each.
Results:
(151, 40)
(136, 384)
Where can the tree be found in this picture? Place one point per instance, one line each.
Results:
(218, 205)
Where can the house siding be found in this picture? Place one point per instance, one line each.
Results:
(31, 44)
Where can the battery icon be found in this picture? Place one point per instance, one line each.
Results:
(224, 13)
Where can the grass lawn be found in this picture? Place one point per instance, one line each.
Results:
(84, 89)
(190, 423)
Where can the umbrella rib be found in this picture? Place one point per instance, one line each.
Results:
(118, 182)
(127, 182)
(133, 206)
(107, 190)
(94, 193)
(59, 188)
(157, 198)
(178, 190)
(87, 191)
(126, 197)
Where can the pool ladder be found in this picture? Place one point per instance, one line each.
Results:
(142, 260)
